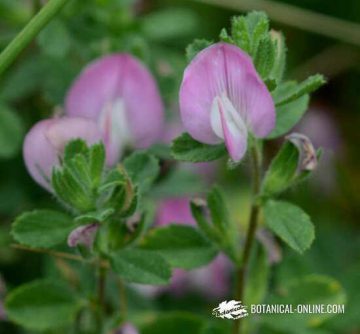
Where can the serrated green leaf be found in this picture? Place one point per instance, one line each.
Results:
(306, 291)
(290, 223)
(225, 37)
(42, 228)
(42, 305)
(182, 246)
(74, 147)
(143, 169)
(96, 163)
(265, 57)
(185, 148)
(141, 266)
(308, 86)
(282, 170)
(11, 132)
(195, 47)
(240, 33)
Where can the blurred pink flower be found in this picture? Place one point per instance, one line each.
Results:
(174, 210)
(223, 98)
(45, 142)
(120, 94)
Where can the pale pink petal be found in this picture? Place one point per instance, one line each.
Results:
(228, 124)
(46, 140)
(119, 93)
(224, 69)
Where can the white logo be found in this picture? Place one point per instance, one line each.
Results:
(230, 310)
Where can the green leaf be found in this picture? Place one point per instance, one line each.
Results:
(96, 216)
(247, 31)
(282, 170)
(309, 290)
(280, 55)
(42, 305)
(308, 86)
(218, 210)
(265, 57)
(143, 169)
(174, 323)
(75, 147)
(96, 163)
(289, 223)
(141, 266)
(195, 47)
(185, 148)
(42, 228)
(11, 133)
(181, 245)
(288, 115)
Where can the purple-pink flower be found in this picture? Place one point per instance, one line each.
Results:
(222, 98)
(120, 94)
(45, 142)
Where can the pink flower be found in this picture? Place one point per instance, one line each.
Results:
(223, 98)
(119, 93)
(45, 142)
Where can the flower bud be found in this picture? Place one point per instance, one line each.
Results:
(45, 142)
(83, 235)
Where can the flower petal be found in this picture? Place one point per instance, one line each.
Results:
(224, 69)
(113, 78)
(227, 124)
(46, 140)
(83, 235)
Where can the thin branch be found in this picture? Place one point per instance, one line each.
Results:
(62, 255)
(26, 35)
(242, 272)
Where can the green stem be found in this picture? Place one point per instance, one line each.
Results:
(26, 35)
(250, 236)
(101, 296)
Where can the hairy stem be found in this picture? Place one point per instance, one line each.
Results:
(26, 35)
(250, 236)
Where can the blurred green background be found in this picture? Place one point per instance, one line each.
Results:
(157, 32)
